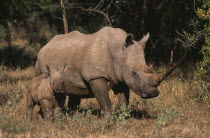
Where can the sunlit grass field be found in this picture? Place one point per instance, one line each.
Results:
(176, 112)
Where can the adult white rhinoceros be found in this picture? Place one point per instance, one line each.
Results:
(107, 59)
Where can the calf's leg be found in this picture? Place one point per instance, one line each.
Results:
(30, 105)
(47, 109)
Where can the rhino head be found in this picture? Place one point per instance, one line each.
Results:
(56, 79)
(136, 74)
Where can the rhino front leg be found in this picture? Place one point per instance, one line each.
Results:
(123, 94)
(57, 112)
(40, 115)
(74, 102)
(47, 109)
(100, 90)
(60, 98)
(123, 101)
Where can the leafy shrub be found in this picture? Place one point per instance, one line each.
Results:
(2, 32)
(203, 68)
(200, 36)
(168, 115)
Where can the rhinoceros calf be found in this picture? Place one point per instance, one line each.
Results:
(46, 91)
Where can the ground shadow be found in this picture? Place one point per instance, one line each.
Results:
(137, 114)
(141, 114)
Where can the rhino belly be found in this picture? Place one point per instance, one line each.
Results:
(76, 90)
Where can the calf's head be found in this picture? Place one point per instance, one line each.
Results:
(56, 79)
(136, 74)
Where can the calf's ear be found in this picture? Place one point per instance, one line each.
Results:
(48, 69)
(144, 40)
(129, 40)
(64, 67)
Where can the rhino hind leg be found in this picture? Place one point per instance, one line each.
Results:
(123, 94)
(100, 90)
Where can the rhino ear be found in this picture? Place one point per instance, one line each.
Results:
(129, 40)
(144, 40)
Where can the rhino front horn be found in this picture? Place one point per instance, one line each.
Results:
(170, 70)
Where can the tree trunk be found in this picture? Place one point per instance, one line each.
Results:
(172, 56)
(9, 34)
(65, 22)
(143, 13)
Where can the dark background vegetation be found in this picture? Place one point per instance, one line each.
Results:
(37, 21)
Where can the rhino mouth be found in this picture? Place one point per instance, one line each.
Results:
(145, 95)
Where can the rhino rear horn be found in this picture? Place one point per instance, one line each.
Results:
(144, 39)
(151, 67)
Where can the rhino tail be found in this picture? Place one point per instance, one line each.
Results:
(37, 69)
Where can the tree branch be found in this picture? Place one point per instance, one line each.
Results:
(99, 5)
(100, 12)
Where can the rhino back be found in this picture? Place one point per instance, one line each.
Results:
(87, 56)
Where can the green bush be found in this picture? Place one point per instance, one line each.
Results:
(200, 36)
(2, 32)
(203, 68)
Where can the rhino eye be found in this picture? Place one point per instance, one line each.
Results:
(134, 73)
(136, 77)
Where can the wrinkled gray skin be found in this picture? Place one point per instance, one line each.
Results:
(46, 91)
(107, 59)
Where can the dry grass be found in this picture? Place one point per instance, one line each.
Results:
(174, 113)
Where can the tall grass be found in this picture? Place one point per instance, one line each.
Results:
(176, 112)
